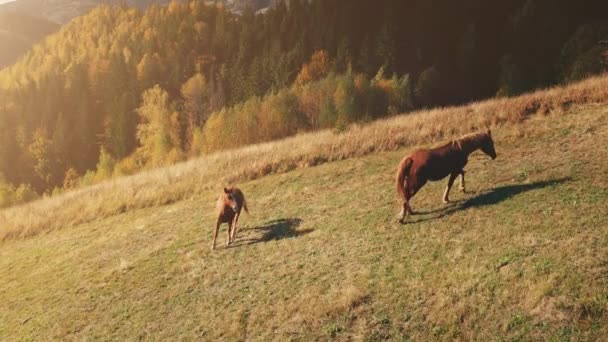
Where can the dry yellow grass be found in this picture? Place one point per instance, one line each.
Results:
(167, 185)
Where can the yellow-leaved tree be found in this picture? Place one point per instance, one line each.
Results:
(318, 67)
(158, 133)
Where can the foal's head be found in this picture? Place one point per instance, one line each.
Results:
(487, 144)
(230, 198)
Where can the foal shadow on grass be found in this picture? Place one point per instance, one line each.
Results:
(274, 230)
(490, 197)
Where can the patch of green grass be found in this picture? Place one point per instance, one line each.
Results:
(507, 258)
(563, 334)
(333, 329)
(518, 321)
(383, 319)
(543, 266)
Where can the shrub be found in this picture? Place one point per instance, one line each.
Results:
(70, 179)
(25, 193)
(127, 166)
(105, 165)
(7, 194)
(89, 178)
(56, 191)
(10, 196)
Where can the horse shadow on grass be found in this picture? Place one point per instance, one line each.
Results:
(274, 230)
(490, 197)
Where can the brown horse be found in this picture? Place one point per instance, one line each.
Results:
(229, 206)
(437, 163)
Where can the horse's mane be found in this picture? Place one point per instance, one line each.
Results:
(467, 139)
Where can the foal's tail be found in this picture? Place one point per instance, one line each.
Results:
(402, 172)
(245, 205)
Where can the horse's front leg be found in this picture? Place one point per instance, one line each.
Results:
(234, 227)
(217, 228)
(229, 233)
(447, 189)
(462, 187)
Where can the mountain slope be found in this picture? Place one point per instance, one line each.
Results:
(520, 256)
(18, 33)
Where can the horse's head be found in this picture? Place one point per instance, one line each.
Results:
(487, 145)
(230, 198)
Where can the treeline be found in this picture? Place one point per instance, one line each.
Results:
(319, 98)
(120, 89)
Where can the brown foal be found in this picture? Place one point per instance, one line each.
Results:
(229, 206)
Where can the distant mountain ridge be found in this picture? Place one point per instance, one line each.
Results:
(19, 32)
(23, 23)
(62, 11)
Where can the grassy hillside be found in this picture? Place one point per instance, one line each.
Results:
(522, 256)
(182, 181)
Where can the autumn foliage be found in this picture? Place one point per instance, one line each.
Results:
(121, 90)
(318, 67)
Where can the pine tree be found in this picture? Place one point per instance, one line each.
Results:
(428, 87)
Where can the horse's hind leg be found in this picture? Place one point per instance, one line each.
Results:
(447, 189)
(411, 190)
(404, 212)
(409, 208)
(462, 187)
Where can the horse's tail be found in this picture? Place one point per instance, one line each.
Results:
(402, 172)
(241, 198)
(245, 205)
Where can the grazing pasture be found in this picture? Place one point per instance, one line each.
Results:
(521, 256)
(212, 172)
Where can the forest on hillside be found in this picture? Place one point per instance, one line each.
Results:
(121, 89)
